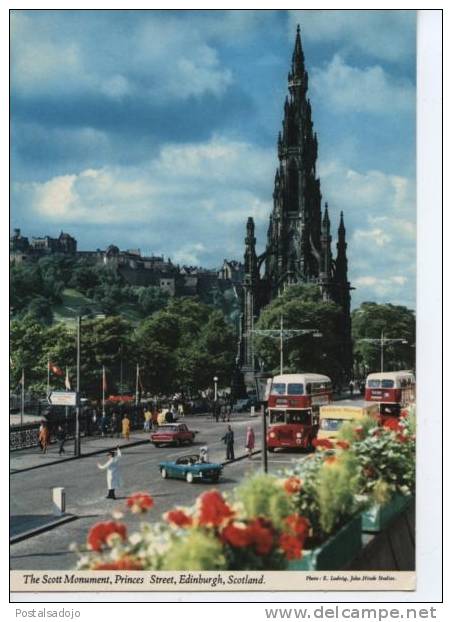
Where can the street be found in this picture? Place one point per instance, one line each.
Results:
(85, 487)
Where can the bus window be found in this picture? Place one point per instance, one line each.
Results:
(277, 416)
(295, 389)
(387, 384)
(303, 417)
(279, 388)
(308, 388)
(374, 384)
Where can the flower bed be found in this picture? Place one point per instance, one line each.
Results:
(308, 518)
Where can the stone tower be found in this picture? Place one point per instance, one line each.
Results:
(298, 248)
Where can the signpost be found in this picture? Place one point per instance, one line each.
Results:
(63, 398)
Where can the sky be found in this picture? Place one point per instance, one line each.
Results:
(157, 130)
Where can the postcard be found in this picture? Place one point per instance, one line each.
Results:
(213, 301)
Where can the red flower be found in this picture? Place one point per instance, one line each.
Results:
(392, 424)
(330, 460)
(402, 438)
(291, 546)
(343, 444)
(140, 502)
(179, 518)
(261, 536)
(213, 509)
(292, 485)
(298, 525)
(359, 432)
(238, 537)
(100, 533)
(124, 563)
(323, 443)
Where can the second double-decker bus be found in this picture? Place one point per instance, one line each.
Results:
(293, 406)
(393, 390)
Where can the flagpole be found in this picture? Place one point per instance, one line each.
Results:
(103, 390)
(136, 385)
(22, 405)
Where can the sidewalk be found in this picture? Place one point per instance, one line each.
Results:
(26, 459)
(33, 458)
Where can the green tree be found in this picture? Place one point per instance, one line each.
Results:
(27, 347)
(151, 299)
(302, 307)
(369, 321)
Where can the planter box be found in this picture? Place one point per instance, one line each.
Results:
(377, 517)
(335, 553)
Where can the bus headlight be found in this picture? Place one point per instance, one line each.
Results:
(298, 435)
(272, 435)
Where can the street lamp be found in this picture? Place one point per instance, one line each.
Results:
(382, 341)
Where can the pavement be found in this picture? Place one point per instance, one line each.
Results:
(85, 486)
(32, 457)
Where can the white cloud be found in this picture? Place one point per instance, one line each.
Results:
(371, 90)
(199, 192)
(161, 59)
(389, 34)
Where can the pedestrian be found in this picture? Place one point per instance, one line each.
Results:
(104, 424)
(44, 437)
(250, 440)
(113, 476)
(228, 439)
(147, 420)
(113, 424)
(61, 438)
(126, 427)
(351, 386)
(229, 411)
(204, 454)
(180, 411)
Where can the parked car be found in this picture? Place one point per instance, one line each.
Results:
(172, 434)
(190, 468)
(243, 405)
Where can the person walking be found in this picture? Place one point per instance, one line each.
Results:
(61, 438)
(250, 441)
(113, 475)
(147, 420)
(44, 437)
(126, 427)
(228, 439)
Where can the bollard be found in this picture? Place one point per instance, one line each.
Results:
(59, 501)
(253, 412)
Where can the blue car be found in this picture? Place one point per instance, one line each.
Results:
(190, 468)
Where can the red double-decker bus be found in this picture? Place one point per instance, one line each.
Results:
(293, 405)
(392, 390)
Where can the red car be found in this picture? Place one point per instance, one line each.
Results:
(172, 434)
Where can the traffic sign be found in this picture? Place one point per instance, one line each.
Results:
(63, 398)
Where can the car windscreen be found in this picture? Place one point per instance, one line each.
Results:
(167, 428)
(332, 425)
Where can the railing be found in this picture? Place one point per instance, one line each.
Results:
(26, 436)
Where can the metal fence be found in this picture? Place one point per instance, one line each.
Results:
(91, 425)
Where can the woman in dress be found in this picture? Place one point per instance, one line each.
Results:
(250, 440)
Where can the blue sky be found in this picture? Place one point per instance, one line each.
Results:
(157, 130)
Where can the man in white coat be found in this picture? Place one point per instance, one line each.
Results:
(113, 476)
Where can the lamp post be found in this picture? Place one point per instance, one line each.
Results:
(382, 341)
(77, 450)
(215, 397)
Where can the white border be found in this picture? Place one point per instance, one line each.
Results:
(429, 547)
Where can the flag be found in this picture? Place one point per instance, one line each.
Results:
(55, 369)
(104, 380)
(67, 382)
